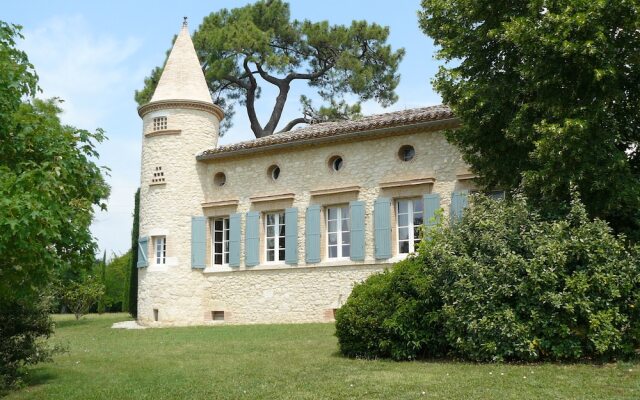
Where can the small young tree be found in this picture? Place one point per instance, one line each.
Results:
(79, 296)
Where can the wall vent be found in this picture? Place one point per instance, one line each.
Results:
(155, 314)
(158, 176)
(217, 315)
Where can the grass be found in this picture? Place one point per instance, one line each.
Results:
(286, 362)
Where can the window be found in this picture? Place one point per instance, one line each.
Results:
(274, 172)
(274, 232)
(338, 232)
(160, 244)
(220, 235)
(160, 124)
(158, 176)
(410, 219)
(219, 179)
(406, 153)
(335, 163)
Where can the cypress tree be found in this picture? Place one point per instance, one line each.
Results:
(133, 276)
(103, 280)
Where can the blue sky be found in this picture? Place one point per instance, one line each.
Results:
(94, 55)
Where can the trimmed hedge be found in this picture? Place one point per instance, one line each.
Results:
(504, 284)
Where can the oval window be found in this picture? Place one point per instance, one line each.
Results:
(406, 153)
(219, 179)
(274, 172)
(336, 163)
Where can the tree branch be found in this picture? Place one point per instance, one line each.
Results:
(312, 76)
(251, 99)
(267, 77)
(293, 123)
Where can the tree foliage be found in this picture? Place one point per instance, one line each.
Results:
(49, 184)
(548, 95)
(238, 47)
(503, 284)
(116, 279)
(79, 296)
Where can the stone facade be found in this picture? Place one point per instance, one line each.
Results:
(175, 293)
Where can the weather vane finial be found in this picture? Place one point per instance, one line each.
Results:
(184, 23)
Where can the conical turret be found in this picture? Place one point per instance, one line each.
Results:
(182, 78)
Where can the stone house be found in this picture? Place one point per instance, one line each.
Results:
(278, 229)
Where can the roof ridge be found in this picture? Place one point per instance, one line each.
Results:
(332, 128)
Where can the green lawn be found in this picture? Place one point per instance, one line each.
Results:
(286, 362)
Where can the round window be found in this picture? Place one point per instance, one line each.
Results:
(406, 153)
(274, 172)
(336, 163)
(219, 179)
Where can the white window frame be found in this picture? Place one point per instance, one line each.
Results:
(279, 220)
(224, 243)
(160, 250)
(411, 226)
(339, 232)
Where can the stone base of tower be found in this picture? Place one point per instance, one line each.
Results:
(291, 295)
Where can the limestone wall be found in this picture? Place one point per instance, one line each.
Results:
(273, 293)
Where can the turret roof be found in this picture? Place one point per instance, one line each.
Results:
(182, 77)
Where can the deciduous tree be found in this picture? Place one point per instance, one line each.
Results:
(548, 93)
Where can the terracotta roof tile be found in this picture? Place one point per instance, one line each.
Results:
(330, 129)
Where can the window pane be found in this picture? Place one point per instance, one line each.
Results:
(417, 220)
(345, 212)
(332, 213)
(270, 231)
(271, 243)
(333, 251)
(282, 218)
(281, 230)
(403, 233)
(404, 247)
(281, 243)
(416, 233)
(218, 259)
(346, 238)
(270, 255)
(281, 255)
(271, 218)
(218, 248)
(218, 224)
(226, 246)
(417, 206)
(226, 258)
(333, 226)
(345, 225)
(346, 250)
(403, 206)
(218, 236)
(403, 220)
(333, 238)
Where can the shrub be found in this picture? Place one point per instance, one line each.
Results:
(24, 325)
(504, 284)
(80, 296)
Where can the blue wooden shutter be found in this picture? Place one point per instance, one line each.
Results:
(291, 236)
(143, 248)
(252, 239)
(431, 206)
(356, 213)
(234, 240)
(198, 242)
(459, 202)
(382, 226)
(312, 234)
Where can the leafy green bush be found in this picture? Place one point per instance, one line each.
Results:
(504, 284)
(24, 326)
